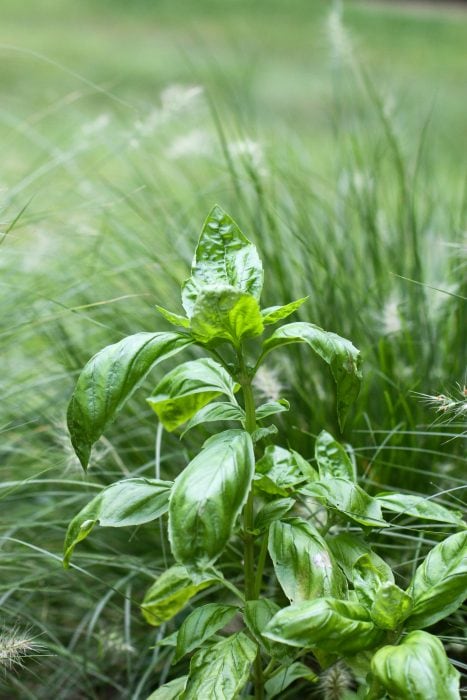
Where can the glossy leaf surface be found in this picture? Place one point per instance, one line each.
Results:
(221, 671)
(440, 583)
(109, 379)
(303, 563)
(125, 503)
(172, 690)
(271, 511)
(174, 319)
(417, 669)
(332, 459)
(349, 500)
(187, 388)
(223, 256)
(285, 676)
(225, 313)
(342, 357)
(208, 496)
(170, 593)
(280, 469)
(215, 412)
(326, 623)
(257, 615)
(418, 507)
(349, 548)
(272, 407)
(273, 314)
(200, 625)
(391, 606)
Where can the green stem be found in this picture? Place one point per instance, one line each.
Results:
(261, 562)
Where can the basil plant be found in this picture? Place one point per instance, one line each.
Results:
(283, 544)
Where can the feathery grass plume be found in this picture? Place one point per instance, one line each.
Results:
(16, 645)
(268, 383)
(335, 682)
(451, 406)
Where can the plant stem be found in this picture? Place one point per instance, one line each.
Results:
(251, 583)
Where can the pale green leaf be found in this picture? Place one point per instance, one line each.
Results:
(303, 563)
(125, 503)
(439, 585)
(347, 499)
(200, 625)
(174, 319)
(215, 412)
(221, 671)
(171, 592)
(285, 676)
(263, 433)
(417, 669)
(368, 576)
(280, 467)
(391, 606)
(208, 496)
(225, 313)
(271, 511)
(273, 314)
(332, 459)
(348, 548)
(418, 507)
(223, 256)
(172, 690)
(338, 626)
(187, 388)
(272, 407)
(109, 379)
(342, 357)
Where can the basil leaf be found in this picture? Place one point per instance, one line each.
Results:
(342, 357)
(368, 577)
(215, 412)
(172, 690)
(273, 314)
(279, 466)
(257, 614)
(208, 496)
(223, 256)
(109, 379)
(171, 592)
(285, 676)
(187, 388)
(272, 407)
(225, 313)
(440, 583)
(128, 502)
(349, 500)
(222, 670)
(391, 606)
(200, 625)
(303, 562)
(326, 623)
(271, 511)
(349, 548)
(332, 459)
(418, 507)
(174, 319)
(417, 669)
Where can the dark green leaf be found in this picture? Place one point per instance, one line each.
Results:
(326, 623)
(418, 507)
(172, 690)
(222, 670)
(208, 496)
(273, 314)
(342, 357)
(257, 615)
(215, 412)
(332, 459)
(440, 583)
(200, 625)
(187, 388)
(303, 562)
(272, 407)
(223, 256)
(285, 676)
(109, 379)
(279, 466)
(128, 502)
(225, 313)
(391, 606)
(348, 548)
(349, 500)
(174, 319)
(274, 510)
(417, 669)
(171, 592)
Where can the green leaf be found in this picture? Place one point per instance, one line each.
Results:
(417, 669)
(222, 670)
(391, 606)
(349, 500)
(173, 690)
(339, 626)
(281, 468)
(109, 379)
(171, 592)
(272, 407)
(348, 548)
(174, 319)
(223, 256)
(418, 507)
(200, 625)
(263, 433)
(368, 577)
(128, 502)
(285, 676)
(257, 614)
(271, 511)
(273, 314)
(225, 313)
(187, 388)
(215, 412)
(440, 583)
(342, 357)
(332, 459)
(208, 496)
(303, 562)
